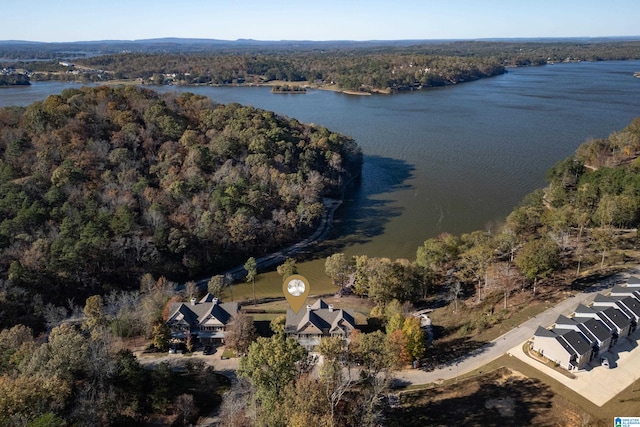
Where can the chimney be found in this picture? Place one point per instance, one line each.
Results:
(193, 301)
(330, 308)
(308, 308)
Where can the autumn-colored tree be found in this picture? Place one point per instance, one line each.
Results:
(397, 347)
(415, 337)
(277, 325)
(240, 333)
(161, 336)
(252, 270)
(340, 269)
(303, 404)
(270, 364)
(287, 268)
(94, 312)
(16, 344)
(538, 259)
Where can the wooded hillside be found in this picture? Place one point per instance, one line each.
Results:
(99, 185)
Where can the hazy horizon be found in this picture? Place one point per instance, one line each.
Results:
(332, 20)
(202, 39)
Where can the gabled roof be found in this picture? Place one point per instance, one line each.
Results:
(631, 305)
(217, 312)
(594, 327)
(633, 281)
(312, 318)
(342, 320)
(203, 311)
(544, 333)
(182, 313)
(319, 305)
(578, 342)
(208, 298)
(622, 290)
(617, 317)
(565, 321)
(320, 314)
(585, 311)
(603, 300)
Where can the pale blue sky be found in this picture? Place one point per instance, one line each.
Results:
(66, 20)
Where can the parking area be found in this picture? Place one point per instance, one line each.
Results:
(597, 383)
(176, 360)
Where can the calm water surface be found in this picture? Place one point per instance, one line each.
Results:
(452, 159)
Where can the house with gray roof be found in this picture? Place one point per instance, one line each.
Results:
(598, 334)
(568, 348)
(633, 282)
(205, 320)
(624, 291)
(621, 323)
(631, 306)
(604, 301)
(594, 331)
(600, 326)
(318, 320)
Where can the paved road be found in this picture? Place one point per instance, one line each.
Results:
(506, 342)
(322, 231)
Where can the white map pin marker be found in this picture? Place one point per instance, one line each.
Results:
(296, 290)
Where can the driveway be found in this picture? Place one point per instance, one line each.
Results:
(597, 383)
(226, 367)
(503, 344)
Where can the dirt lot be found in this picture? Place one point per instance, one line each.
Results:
(503, 397)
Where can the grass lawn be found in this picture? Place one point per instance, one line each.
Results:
(269, 285)
(267, 311)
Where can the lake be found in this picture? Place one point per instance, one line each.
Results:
(452, 159)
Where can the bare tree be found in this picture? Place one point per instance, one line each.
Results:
(191, 290)
(455, 289)
(241, 333)
(185, 409)
(238, 405)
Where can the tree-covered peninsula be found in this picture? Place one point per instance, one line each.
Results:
(100, 185)
(374, 66)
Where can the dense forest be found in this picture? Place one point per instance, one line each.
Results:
(354, 71)
(100, 185)
(13, 79)
(363, 66)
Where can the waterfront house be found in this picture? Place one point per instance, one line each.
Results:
(205, 320)
(319, 320)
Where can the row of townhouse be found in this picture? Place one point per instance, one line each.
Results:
(574, 341)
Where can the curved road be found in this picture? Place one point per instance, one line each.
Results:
(321, 233)
(506, 342)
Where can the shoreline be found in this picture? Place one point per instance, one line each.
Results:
(321, 232)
